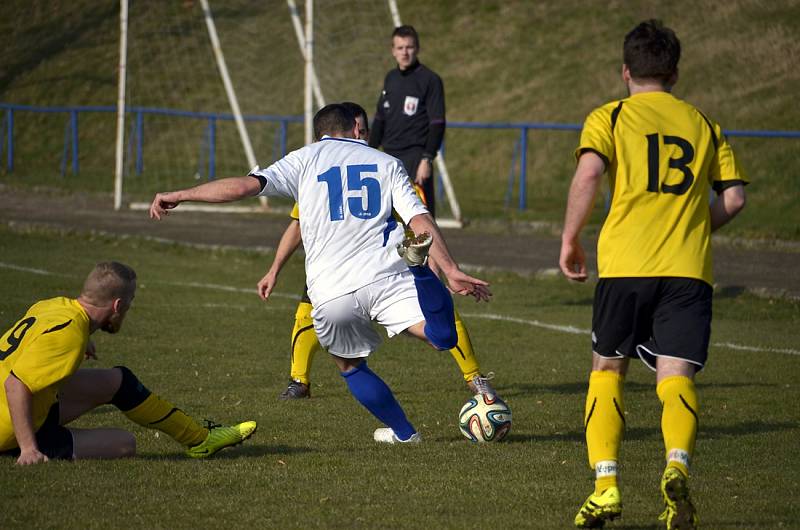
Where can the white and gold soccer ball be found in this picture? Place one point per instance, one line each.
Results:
(485, 418)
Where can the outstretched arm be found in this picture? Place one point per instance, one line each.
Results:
(20, 406)
(458, 281)
(290, 241)
(580, 201)
(222, 190)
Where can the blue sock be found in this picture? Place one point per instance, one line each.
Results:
(437, 307)
(375, 395)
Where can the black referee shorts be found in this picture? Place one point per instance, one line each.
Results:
(54, 440)
(411, 159)
(651, 317)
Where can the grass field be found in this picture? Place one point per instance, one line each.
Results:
(198, 335)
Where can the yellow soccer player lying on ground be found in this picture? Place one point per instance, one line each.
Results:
(43, 388)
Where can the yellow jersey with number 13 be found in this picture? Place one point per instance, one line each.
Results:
(663, 157)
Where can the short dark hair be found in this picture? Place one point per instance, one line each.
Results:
(652, 51)
(108, 281)
(333, 119)
(406, 31)
(357, 110)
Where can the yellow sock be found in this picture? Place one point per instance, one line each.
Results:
(463, 352)
(156, 413)
(604, 421)
(678, 420)
(304, 343)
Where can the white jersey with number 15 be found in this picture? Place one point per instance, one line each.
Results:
(346, 192)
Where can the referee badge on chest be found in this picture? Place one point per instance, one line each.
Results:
(410, 106)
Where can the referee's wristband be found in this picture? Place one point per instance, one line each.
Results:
(429, 158)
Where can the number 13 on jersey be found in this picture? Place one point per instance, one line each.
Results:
(355, 183)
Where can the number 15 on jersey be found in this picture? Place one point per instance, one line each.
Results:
(355, 183)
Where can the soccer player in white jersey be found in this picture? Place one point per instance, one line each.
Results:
(346, 192)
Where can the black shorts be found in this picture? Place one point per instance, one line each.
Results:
(54, 440)
(650, 317)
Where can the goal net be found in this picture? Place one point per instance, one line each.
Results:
(180, 127)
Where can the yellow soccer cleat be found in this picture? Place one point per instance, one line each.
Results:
(679, 512)
(600, 508)
(220, 437)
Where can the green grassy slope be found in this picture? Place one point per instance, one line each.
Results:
(502, 61)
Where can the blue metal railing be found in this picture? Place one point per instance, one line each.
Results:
(71, 138)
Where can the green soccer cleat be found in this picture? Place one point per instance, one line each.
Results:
(600, 508)
(679, 512)
(220, 437)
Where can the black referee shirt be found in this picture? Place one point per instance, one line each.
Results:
(410, 111)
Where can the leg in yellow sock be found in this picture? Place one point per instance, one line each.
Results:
(148, 410)
(604, 421)
(678, 420)
(463, 353)
(304, 342)
(157, 413)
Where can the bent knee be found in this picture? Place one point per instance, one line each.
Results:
(442, 341)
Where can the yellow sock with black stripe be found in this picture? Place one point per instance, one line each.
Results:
(678, 420)
(463, 353)
(604, 421)
(157, 413)
(304, 343)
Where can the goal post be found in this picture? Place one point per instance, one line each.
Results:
(307, 39)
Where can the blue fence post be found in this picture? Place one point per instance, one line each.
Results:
(284, 134)
(73, 122)
(10, 146)
(212, 147)
(510, 187)
(139, 142)
(65, 150)
(523, 168)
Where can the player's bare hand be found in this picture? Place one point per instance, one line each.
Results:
(162, 203)
(424, 171)
(267, 284)
(573, 261)
(461, 283)
(91, 351)
(31, 456)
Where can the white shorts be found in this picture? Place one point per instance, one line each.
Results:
(344, 324)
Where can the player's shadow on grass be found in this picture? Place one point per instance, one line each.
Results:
(249, 451)
(748, 427)
(729, 291)
(572, 388)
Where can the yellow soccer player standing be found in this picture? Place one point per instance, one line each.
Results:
(653, 298)
(44, 388)
(304, 342)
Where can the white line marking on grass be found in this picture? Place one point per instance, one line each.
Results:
(230, 289)
(31, 270)
(486, 316)
(755, 348)
(578, 331)
(555, 327)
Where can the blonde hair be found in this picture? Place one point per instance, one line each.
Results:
(108, 281)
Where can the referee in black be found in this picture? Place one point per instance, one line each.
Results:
(410, 121)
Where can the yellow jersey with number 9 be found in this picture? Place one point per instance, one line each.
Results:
(663, 158)
(42, 350)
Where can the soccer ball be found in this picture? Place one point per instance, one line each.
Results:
(485, 418)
